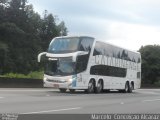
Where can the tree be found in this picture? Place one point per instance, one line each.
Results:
(62, 29)
(150, 63)
(49, 29)
(4, 4)
(3, 53)
(23, 34)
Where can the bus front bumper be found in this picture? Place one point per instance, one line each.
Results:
(58, 83)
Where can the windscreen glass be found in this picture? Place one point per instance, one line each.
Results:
(60, 66)
(64, 45)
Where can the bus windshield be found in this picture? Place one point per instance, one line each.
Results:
(60, 66)
(64, 45)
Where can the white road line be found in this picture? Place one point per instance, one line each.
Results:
(1, 97)
(47, 111)
(151, 100)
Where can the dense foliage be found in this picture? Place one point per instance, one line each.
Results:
(24, 34)
(31, 75)
(150, 64)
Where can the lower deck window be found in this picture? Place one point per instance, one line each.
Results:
(105, 70)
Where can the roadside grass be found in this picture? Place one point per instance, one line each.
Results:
(32, 75)
(157, 83)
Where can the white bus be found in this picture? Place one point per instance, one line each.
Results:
(83, 63)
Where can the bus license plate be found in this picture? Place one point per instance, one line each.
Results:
(55, 85)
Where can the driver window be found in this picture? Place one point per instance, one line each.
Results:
(82, 63)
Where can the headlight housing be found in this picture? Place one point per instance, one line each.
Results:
(70, 80)
(44, 79)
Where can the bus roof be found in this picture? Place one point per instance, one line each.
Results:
(74, 36)
(99, 41)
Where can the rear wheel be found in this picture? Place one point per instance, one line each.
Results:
(99, 87)
(126, 89)
(130, 90)
(91, 87)
(63, 90)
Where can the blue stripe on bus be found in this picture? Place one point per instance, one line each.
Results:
(74, 80)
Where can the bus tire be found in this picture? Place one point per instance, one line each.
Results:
(130, 90)
(99, 87)
(62, 90)
(91, 86)
(72, 90)
(126, 89)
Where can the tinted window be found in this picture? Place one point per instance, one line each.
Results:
(60, 66)
(64, 45)
(86, 44)
(108, 71)
(82, 62)
(116, 52)
(138, 74)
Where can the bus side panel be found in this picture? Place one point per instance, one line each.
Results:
(82, 81)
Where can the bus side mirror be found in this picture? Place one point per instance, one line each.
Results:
(40, 55)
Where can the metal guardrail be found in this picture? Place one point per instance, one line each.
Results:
(38, 83)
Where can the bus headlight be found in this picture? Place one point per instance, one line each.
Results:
(70, 80)
(44, 79)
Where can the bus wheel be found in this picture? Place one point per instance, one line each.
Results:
(63, 90)
(91, 87)
(99, 87)
(126, 87)
(72, 90)
(130, 90)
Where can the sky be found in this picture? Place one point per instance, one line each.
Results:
(126, 23)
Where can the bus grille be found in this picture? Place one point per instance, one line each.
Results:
(57, 81)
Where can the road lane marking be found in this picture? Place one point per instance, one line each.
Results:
(152, 100)
(1, 97)
(47, 111)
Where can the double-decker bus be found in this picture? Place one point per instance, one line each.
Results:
(84, 63)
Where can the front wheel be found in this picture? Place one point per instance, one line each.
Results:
(62, 90)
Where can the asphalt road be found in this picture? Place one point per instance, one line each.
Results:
(50, 101)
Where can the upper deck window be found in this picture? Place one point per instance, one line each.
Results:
(70, 44)
(64, 45)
